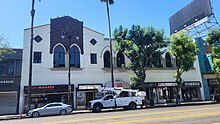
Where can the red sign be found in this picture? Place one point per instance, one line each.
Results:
(118, 84)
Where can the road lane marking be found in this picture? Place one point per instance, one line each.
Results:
(165, 118)
(131, 115)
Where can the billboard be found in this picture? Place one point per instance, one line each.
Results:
(193, 12)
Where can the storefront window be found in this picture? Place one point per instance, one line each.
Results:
(81, 100)
(41, 100)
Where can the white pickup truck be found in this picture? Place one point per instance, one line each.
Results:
(128, 99)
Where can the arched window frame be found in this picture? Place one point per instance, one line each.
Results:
(59, 56)
(106, 59)
(74, 57)
(168, 60)
(120, 59)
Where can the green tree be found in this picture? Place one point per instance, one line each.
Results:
(142, 46)
(212, 37)
(185, 51)
(110, 38)
(4, 48)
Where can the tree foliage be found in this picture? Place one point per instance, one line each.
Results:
(185, 51)
(4, 48)
(143, 48)
(213, 36)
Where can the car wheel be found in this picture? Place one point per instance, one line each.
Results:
(97, 108)
(132, 106)
(63, 112)
(35, 114)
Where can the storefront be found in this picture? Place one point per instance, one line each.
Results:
(191, 91)
(165, 92)
(85, 93)
(43, 94)
(213, 84)
(160, 92)
(9, 95)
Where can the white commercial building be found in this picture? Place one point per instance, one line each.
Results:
(90, 67)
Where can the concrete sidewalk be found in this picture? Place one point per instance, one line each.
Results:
(21, 116)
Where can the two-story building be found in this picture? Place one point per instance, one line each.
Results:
(10, 77)
(66, 42)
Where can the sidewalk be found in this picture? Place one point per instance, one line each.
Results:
(18, 116)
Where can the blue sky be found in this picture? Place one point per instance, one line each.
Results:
(15, 14)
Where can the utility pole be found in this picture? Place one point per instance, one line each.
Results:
(31, 55)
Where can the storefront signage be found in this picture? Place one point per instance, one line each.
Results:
(192, 84)
(48, 89)
(149, 85)
(88, 87)
(118, 84)
(7, 82)
(212, 82)
(167, 84)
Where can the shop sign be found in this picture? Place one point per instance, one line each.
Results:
(88, 87)
(7, 82)
(192, 84)
(212, 82)
(48, 89)
(149, 85)
(118, 84)
(167, 84)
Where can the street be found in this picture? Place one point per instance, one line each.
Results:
(202, 114)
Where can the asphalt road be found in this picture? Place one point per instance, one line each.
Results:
(203, 114)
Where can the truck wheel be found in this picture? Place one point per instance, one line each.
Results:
(126, 108)
(97, 108)
(132, 106)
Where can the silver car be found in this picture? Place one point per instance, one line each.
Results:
(51, 109)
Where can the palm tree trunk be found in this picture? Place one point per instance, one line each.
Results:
(110, 40)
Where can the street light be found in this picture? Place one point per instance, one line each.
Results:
(63, 35)
(31, 56)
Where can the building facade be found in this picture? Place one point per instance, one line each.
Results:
(65, 43)
(207, 71)
(10, 77)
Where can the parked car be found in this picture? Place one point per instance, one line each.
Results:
(51, 109)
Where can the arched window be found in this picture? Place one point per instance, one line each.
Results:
(168, 60)
(120, 59)
(74, 57)
(107, 59)
(59, 57)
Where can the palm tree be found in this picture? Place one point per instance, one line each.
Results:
(110, 37)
